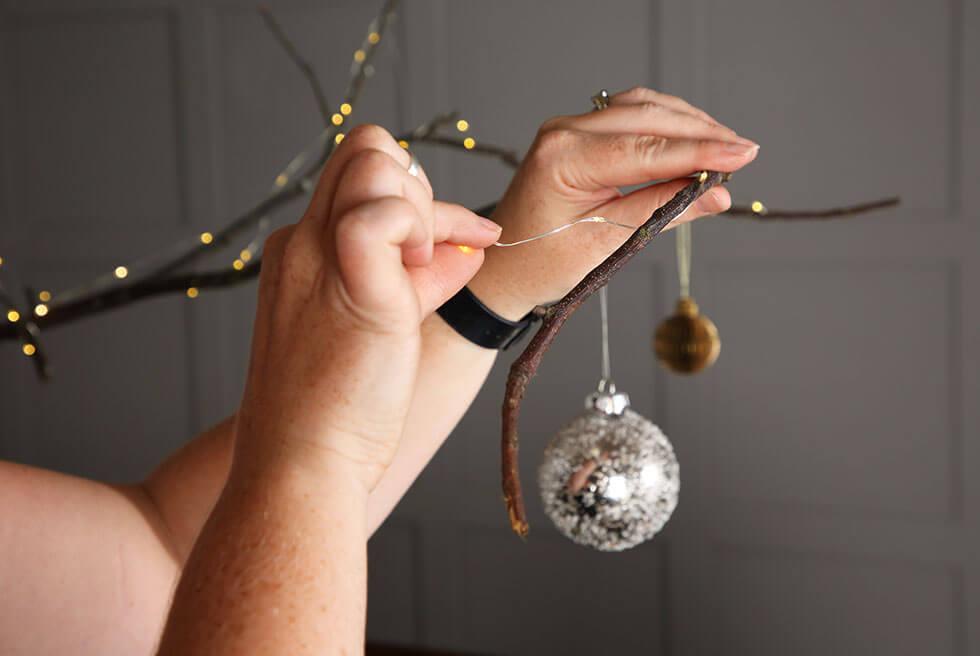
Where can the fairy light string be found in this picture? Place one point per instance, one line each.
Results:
(158, 273)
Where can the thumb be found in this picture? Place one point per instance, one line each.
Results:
(371, 239)
(451, 268)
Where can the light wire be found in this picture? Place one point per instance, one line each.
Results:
(561, 228)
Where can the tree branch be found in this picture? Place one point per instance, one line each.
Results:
(26, 329)
(766, 214)
(302, 64)
(505, 155)
(294, 182)
(525, 366)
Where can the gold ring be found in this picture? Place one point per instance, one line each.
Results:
(600, 100)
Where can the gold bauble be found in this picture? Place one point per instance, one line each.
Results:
(687, 341)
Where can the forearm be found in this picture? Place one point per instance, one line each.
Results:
(85, 566)
(451, 372)
(185, 487)
(279, 567)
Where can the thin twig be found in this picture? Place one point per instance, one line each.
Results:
(120, 294)
(525, 366)
(299, 184)
(742, 211)
(746, 211)
(423, 130)
(505, 155)
(131, 292)
(301, 63)
(113, 293)
(27, 330)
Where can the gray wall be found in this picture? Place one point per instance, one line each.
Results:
(829, 459)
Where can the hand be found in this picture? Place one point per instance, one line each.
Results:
(575, 168)
(341, 296)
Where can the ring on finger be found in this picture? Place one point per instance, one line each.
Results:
(600, 100)
(414, 168)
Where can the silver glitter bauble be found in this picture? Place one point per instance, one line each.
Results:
(609, 479)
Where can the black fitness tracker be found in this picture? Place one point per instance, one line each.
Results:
(476, 322)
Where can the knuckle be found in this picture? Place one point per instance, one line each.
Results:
(550, 144)
(275, 243)
(368, 134)
(552, 123)
(707, 148)
(638, 92)
(650, 147)
(358, 226)
(371, 164)
(353, 228)
(651, 108)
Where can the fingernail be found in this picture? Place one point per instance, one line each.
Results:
(741, 149)
(743, 140)
(490, 226)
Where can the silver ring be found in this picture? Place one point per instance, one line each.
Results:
(600, 100)
(414, 168)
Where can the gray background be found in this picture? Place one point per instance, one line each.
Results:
(828, 459)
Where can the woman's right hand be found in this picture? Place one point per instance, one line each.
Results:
(342, 294)
(575, 168)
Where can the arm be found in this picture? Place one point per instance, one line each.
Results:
(157, 522)
(280, 566)
(452, 370)
(573, 169)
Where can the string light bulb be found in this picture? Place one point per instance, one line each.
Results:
(346, 109)
(13, 316)
(28, 349)
(758, 207)
(462, 125)
(373, 38)
(120, 272)
(44, 296)
(465, 249)
(237, 265)
(338, 138)
(245, 255)
(207, 237)
(469, 143)
(281, 180)
(40, 309)
(336, 119)
(1, 261)
(359, 56)
(192, 292)
(403, 144)
(703, 177)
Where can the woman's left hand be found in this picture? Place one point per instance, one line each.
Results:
(575, 168)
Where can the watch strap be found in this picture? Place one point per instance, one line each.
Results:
(469, 317)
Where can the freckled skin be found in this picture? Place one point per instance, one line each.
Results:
(329, 338)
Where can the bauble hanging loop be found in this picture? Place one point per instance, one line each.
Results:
(687, 341)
